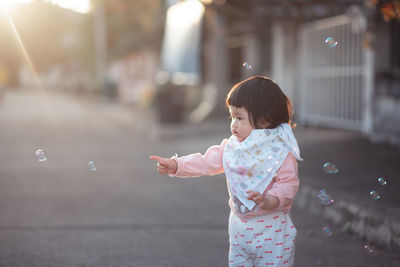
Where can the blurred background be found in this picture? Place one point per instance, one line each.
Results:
(345, 54)
(90, 88)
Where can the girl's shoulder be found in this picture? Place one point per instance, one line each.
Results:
(290, 160)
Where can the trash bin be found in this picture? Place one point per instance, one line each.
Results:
(170, 103)
(109, 89)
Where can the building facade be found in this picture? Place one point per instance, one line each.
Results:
(338, 61)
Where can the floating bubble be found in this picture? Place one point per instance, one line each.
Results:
(327, 231)
(246, 65)
(330, 168)
(324, 198)
(382, 181)
(92, 166)
(369, 248)
(331, 42)
(374, 195)
(40, 155)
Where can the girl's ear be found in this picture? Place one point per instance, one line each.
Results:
(263, 124)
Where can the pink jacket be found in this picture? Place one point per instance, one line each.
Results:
(284, 186)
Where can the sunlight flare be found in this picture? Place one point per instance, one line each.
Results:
(81, 6)
(24, 52)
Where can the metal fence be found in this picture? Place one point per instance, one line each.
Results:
(336, 78)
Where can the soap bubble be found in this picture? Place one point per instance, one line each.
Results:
(369, 248)
(331, 42)
(327, 231)
(382, 181)
(40, 155)
(330, 168)
(324, 198)
(92, 166)
(246, 65)
(374, 195)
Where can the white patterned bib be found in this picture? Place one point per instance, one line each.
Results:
(252, 164)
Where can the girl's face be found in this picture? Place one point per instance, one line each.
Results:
(240, 125)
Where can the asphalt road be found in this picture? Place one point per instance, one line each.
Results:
(61, 213)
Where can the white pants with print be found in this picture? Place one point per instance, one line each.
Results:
(266, 240)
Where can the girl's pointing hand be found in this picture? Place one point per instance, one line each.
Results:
(165, 165)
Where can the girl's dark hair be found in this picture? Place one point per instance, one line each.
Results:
(263, 99)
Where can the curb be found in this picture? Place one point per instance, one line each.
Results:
(379, 231)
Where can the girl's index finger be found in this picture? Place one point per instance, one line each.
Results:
(157, 158)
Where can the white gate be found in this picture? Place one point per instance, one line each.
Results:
(335, 82)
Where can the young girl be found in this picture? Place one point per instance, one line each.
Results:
(259, 161)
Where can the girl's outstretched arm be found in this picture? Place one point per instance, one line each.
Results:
(193, 165)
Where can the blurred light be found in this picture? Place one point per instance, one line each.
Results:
(218, 2)
(81, 6)
(181, 44)
(187, 12)
(181, 78)
(162, 77)
(10, 2)
(25, 53)
(9, 5)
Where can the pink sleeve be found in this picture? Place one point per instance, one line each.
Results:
(195, 165)
(287, 182)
